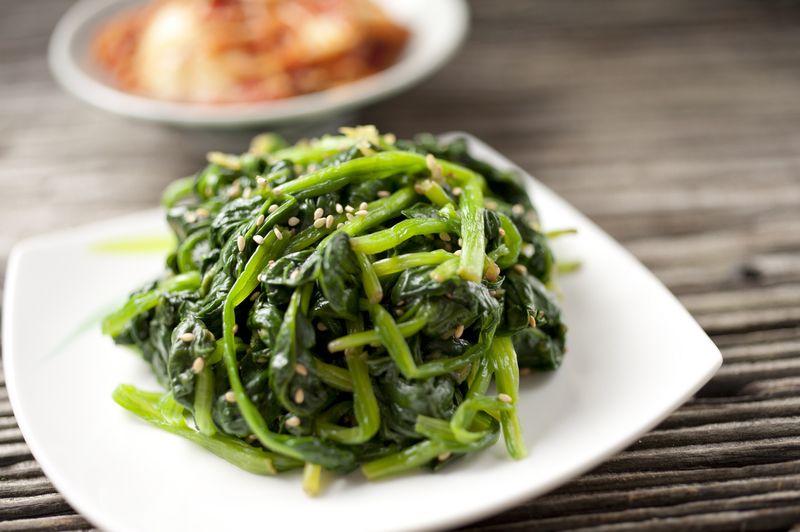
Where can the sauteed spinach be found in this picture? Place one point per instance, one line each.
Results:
(345, 303)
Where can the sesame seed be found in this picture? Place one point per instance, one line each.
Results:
(319, 223)
(461, 242)
(187, 337)
(272, 208)
(261, 277)
(361, 212)
(255, 295)
(260, 219)
(520, 268)
(292, 421)
(384, 193)
(247, 192)
(363, 206)
(329, 221)
(350, 216)
(504, 397)
(339, 208)
(251, 438)
(210, 336)
(299, 396)
(444, 456)
(278, 233)
(318, 213)
(532, 321)
(349, 208)
(459, 330)
(501, 232)
(190, 217)
(235, 328)
(321, 326)
(270, 263)
(258, 239)
(301, 369)
(202, 212)
(457, 253)
(261, 182)
(294, 220)
(491, 204)
(444, 236)
(492, 272)
(294, 275)
(517, 209)
(230, 396)
(457, 191)
(528, 250)
(240, 242)
(198, 365)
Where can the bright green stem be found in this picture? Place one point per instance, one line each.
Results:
(550, 235)
(365, 405)
(177, 190)
(473, 246)
(409, 458)
(312, 479)
(369, 279)
(512, 239)
(146, 405)
(203, 400)
(567, 267)
(184, 253)
(334, 376)
(359, 339)
(462, 420)
(434, 192)
(445, 270)
(506, 374)
(115, 323)
(392, 339)
(394, 236)
(399, 263)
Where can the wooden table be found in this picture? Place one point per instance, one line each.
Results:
(674, 124)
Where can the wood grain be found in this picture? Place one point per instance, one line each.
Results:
(673, 124)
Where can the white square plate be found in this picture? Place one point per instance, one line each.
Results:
(634, 355)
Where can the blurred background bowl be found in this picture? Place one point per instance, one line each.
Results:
(437, 29)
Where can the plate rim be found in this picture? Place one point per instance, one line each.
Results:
(303, 108)
(712, 360)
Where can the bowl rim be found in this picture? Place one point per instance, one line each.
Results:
(410, 69)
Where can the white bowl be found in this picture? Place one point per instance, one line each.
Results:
(437, 29)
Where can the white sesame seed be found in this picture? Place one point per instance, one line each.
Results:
(349, 208)
(444, 456)
(501, 232)
(318, 213)
(230, 396)
(261, 182)
(492, 272)
(278, 233)
(190, 217)
(270, 263)
(299, 396)
(260, 219)
(258, 239)
(444, 236)
(339, 225)
(520, 268)
(202, 212)
(301, 369)
(459, 330)
(349, 216)
(294, 220)
(339, 208)
(504, 397)
(292, 421)
(528, 250)
(235, 328)
(329, 221)
(457, 253)
(294, 275)
(461, 242)
(457, 191)
(272, 208)
(362, 212)
(261, 277)
(517, 209)
(247, 192)
(198, 365)
(240, 242)
(384, 193)
(363, 206)
(321, 326)
(491, 204)
(319, 223)
(187, 337)
(532, 321)
(251, 438)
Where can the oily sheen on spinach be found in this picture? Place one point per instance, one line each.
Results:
(345, 303)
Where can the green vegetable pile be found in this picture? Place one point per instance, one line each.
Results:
(345, 303)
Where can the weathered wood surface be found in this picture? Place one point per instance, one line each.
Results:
(674, 124)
